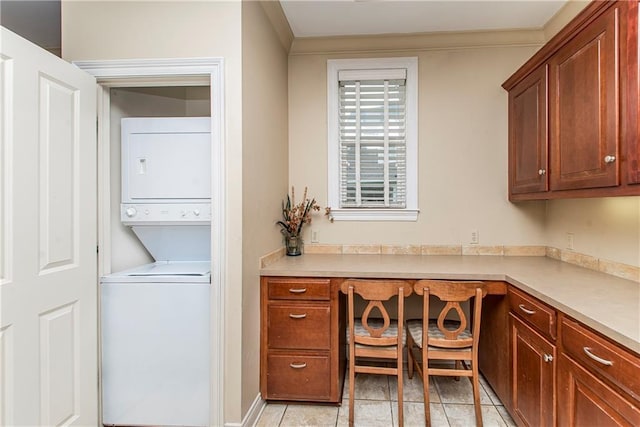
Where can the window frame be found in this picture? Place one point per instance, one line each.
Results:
(410, 212)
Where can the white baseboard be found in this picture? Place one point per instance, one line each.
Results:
(252, 414)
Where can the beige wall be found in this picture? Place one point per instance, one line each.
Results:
(182, 29)
(264, 177)
(462, 150)
(606, 228)
(563, 17)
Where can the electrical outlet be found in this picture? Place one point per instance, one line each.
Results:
(314, 236)
(474, 238)
(570, 241)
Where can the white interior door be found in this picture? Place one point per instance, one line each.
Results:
(48, 275)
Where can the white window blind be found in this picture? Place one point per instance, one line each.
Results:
(372, 134)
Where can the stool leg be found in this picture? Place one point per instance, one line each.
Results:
(409, 355)
(425, 387)
(352, 381)
(476, 395)
(400, 393)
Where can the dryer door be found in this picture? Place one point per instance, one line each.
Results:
(166, 160)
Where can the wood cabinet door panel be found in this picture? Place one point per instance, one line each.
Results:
(299, 326)
(584, 107)
(528, 134)
(584, 400)
(533, 376)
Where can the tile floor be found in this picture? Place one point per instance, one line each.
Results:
(376, 405)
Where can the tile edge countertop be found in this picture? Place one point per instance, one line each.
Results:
(605, 303)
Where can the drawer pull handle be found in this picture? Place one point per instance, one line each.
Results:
(297, 316)
(298, 365)
(526, 310)
(298, 291)
(547, 358)
(605, 362)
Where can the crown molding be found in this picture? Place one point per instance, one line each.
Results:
(416, 41)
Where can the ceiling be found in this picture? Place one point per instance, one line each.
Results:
(321, 18)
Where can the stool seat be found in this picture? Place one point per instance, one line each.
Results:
(391, 331)
(414, 328)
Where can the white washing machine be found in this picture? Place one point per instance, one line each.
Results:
(155, 345)
(155, 318)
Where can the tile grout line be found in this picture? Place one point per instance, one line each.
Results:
(391, 403)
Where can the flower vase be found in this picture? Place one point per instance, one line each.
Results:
(293, 245)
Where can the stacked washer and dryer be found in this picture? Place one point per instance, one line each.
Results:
(156, 317)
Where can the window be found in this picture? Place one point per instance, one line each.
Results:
(372, 139)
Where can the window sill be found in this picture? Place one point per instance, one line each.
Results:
(374, 214)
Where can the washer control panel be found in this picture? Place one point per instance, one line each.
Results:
(136, 214)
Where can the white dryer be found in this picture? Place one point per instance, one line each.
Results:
(155, 318)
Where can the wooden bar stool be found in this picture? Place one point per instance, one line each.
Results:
(373, 336)
(445, 339)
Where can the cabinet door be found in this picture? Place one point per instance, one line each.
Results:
(584, 400)
(528, 134)
(632, 68)
(532, 376)
(584, 107)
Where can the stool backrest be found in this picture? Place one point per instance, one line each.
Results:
(452, 293)
(375, 292)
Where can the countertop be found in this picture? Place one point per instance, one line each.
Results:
(607, 304)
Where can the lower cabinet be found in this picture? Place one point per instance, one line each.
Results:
(302, 356)
(598, 380)
(585, 400)
(533, 376)
(563, 373)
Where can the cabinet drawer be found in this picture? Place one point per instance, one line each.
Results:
(296, 289)
(299, 326)
(298, 376)
(532, 311)
(602, 357)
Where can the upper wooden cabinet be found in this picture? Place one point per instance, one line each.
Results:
(577, 135)
(528, 134)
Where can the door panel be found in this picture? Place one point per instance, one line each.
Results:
(584, 108)
(58, 145)
(533, 376)
(48, 290)
(528, 134)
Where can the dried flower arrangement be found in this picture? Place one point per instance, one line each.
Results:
(296, 215)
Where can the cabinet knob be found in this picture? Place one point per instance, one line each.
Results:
(541, 172)
(547, 358)
(609, 159)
